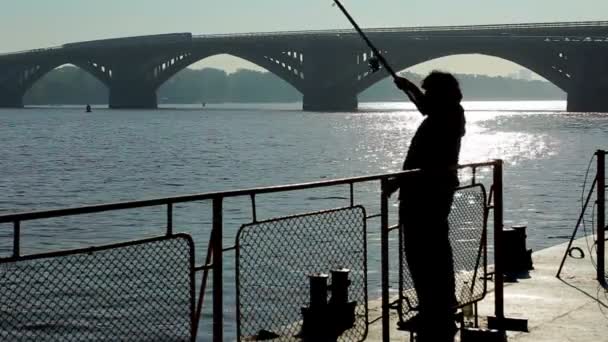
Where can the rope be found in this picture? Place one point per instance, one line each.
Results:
(589, 247)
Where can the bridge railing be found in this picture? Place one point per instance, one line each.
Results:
(419, 29)
(53, 48)
(134, 41)
(214, 261)
(425, 29)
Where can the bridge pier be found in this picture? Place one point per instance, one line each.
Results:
(589, 89)
(588, 99)
(132, 96)
(330, 78)
(330, 100)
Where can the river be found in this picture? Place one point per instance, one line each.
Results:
(60, 156)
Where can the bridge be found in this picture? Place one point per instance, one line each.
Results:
(329, 67)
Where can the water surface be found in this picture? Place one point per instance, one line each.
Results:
(57, 156)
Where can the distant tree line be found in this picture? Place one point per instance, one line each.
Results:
(217, 86)
(67, 85)
(475, 87)
(71, 85)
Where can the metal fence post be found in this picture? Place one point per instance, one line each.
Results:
(499, 321)
(169, 219)
(218, 313)
(386, 336)
(499, 304)
(16, 239)
(601, 216)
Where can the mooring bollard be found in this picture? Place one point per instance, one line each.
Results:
(318, 290)
(323, 321)
(519, 258)
(339, 286)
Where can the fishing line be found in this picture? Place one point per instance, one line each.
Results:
(589, 247)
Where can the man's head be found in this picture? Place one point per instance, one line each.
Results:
(441, 89)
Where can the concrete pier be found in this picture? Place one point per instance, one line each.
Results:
(573, 308)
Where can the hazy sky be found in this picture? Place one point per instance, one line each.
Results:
(28, 24)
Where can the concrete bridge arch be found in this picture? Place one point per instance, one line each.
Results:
(139, 90)
(328, 67)
(274, 63)
(555, 73)
(15, 83)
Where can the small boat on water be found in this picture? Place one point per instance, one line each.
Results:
(88, 108)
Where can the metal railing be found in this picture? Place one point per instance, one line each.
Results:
(119, 42)
(601, 218)
(418, 29)
(215, 252)
(598, 188)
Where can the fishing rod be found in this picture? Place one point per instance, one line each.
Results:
(378, 57)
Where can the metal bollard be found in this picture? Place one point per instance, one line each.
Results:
(519, 258)
(323, 321)
(318, 290)
(339, 286)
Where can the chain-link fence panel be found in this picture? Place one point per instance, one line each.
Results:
(136, 291)
(468, 224)
(275, 258)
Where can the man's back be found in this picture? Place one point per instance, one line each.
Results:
(436, 146)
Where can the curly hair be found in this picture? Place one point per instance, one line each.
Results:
(443, 84)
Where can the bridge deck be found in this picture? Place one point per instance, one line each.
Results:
(579, 29)
(571, 309)
(558, 28)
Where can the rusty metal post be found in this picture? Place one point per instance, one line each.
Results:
(601, 216)
(254, 209)
(203, 287)
(218, 313)
(16, 239)
(384, 256)
(499, 321)
(499, 304)
(169, 219)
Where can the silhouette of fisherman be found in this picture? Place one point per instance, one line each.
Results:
(426, 199)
